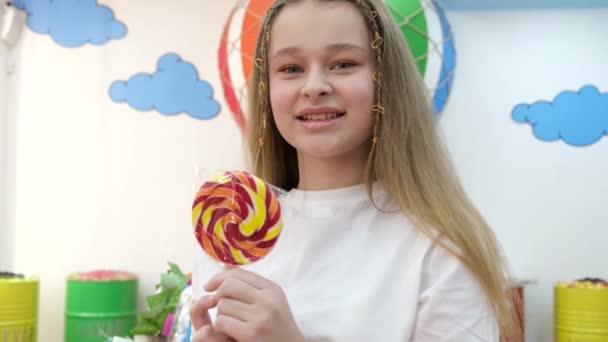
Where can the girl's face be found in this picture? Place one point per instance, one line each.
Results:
(320, 73)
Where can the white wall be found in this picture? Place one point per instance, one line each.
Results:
(546, 201)
(101, 185)
(6, 234)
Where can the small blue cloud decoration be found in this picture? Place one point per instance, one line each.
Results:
(172, 89)
(578, 118)
(72, 23)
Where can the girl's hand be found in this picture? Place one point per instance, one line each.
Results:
(251, 308)
(203, 328)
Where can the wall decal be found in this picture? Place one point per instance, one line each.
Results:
(172, 89)
(578, 118)
(72, 23)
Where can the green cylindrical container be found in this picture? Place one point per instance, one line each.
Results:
(100, 304)
(581, 314)
(18, 309)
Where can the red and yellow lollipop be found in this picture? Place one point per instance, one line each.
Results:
(236, 218)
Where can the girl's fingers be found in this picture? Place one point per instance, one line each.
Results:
(199, 313)
(250, 278)
(232, 327)
(235, 309)
(208, 334)
(236, 289)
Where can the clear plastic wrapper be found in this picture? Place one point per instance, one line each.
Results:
(182, 328)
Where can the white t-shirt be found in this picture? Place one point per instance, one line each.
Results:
(353, 273)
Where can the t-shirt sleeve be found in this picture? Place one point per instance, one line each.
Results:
(452, 306)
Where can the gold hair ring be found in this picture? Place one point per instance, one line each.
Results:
(259, 63)
(377, 42)
(378, 109)
(377, 76)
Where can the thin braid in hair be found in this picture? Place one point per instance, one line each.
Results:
(261, 62)
(377, 35)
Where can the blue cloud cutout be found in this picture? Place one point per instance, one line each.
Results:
(174, 88)
(20, 4)
(72, 23)
(579, 118)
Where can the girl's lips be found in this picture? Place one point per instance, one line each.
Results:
(321, 120)
(320, 116)
(319, 110)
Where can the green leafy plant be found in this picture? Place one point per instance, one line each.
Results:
(162, 303)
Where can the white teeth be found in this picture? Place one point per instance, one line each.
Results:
(324, 116)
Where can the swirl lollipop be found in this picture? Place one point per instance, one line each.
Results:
(236, 218)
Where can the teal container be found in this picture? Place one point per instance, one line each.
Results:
(96, 309)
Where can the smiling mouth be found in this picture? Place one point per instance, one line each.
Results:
(320, 117)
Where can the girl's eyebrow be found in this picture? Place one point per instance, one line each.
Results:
(345, 47)
(292, 50)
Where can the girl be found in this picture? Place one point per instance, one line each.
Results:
(380, 241)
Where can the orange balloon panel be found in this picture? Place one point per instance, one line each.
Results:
(252, 22)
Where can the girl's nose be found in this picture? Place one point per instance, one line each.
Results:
(316, 84)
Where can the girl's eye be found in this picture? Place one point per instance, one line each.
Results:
(343, 65)
(291, 69)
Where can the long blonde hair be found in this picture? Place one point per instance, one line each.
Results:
(409, 158)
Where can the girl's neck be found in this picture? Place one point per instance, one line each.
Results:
(330, 173)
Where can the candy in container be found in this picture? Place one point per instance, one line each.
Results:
(236, 217)
(581, 310)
